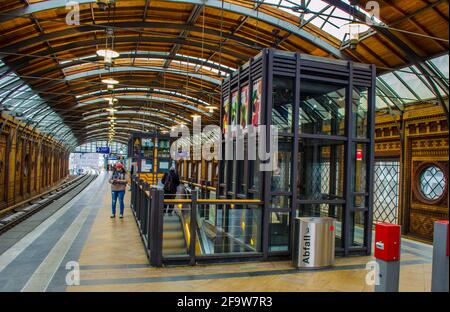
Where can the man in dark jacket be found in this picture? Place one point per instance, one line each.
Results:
(171, 180)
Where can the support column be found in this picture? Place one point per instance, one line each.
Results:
(439, 281)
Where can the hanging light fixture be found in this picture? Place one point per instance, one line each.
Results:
(104, 4)
(110, 81)
(211, 108)
(108, 56)
(354, 31)
(111, 100)
(355, 28)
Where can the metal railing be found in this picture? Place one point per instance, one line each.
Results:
(198, 228)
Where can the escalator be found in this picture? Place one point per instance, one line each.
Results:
(174, 242)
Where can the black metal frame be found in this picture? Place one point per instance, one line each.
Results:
(147, 205)
(156, 158)
(268, 64)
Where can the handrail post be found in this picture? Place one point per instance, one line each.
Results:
(144, 208)
(132, 193)
(193, 228)
(157, 220)
(141, 201)
(138, 198)
(149, 219)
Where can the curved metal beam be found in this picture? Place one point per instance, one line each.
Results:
(122, 26)
(145, 99)
(115, 70)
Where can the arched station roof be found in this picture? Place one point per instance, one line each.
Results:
(175, 53)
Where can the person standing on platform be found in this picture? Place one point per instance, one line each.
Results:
(118, 182)
(171, 180)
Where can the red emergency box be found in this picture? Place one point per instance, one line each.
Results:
(387, 242)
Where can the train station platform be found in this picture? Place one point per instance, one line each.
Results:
(111, 257)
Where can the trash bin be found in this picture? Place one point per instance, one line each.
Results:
(314, 242)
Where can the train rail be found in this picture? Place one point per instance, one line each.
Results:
(12, 216)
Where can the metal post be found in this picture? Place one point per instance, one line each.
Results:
(145, 208)
(132, 193)
(439, 279)
(193, 227)
(157, 220)
(141, 204)
(387, 254)
(149, 219)
(389, 276)
(348, 219)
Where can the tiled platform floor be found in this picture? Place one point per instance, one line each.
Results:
(111, 258)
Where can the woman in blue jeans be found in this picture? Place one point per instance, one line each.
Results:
(118, 182)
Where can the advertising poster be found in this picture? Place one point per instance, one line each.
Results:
(146, 165)
(256, 103)
(225, 115)
(244, 107)
(234, 111)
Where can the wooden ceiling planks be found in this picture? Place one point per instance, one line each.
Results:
(242, 38)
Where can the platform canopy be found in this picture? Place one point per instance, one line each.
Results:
(174, 54)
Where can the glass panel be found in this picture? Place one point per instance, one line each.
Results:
(322, 108)
(240, 172)
(331, 19)
(324, 210)
(321, 169)
(441, 62)
(386, 185)
(415, 83)
(148, 148)
(279, 231)
(359, 108)
(432, 182)
(281, 202)
(281, 176)
(359, 159)
(282, 101)
(398, 87)
(357, 228)
(228, 229)
(359, 201)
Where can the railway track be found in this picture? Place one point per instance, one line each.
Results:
(26, 209)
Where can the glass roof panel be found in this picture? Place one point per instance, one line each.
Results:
(416, 84)
(398, 87)
(323, 15)
(22, 102)
(442, 64)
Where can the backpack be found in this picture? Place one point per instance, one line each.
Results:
(168, 183)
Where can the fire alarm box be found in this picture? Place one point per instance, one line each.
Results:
(387, 242)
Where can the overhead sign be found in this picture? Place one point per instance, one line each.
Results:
(102, 149)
